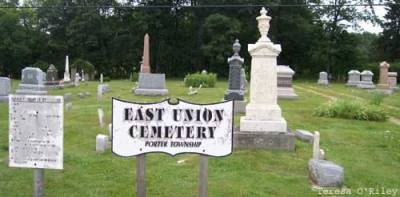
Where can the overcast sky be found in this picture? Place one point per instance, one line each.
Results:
(369, 27)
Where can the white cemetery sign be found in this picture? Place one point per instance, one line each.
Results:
(36, 131)
(184, 127)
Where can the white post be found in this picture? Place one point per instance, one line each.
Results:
(67, 77)
(316, 146)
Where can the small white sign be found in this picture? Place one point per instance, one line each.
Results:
(36, 131)
(184, 127)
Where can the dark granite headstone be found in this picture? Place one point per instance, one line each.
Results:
(235, 91)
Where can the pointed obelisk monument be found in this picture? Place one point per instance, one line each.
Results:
(145, 67)
(263, 125)
(67, 77)
(150, 84)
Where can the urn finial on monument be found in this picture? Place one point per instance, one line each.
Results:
(236, 48)
(263, 25)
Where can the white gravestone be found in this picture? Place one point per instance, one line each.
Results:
(36, 131)
(101, 78)
(101, 117)
(77, 78)
(316, 150)
(323, 78)
(67, 77)
(102, 143)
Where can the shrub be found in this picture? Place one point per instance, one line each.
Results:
(83, 64)
(196, 79)
(134, 76)
(351, 109)
(376, 98)
(105, 79)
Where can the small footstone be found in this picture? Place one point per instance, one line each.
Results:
(81, 95)
(326, 173)
(102, 143)
(87, 94)
(304, 136)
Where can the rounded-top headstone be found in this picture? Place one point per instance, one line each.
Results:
(367, 73)
(353, 72)
(384, 64)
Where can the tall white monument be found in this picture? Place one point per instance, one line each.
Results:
(263, 125)
(67, 77)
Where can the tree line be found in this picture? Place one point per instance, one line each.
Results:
(185, 39)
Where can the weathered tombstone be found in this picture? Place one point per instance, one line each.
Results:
(285, 80)
(323, 78)
(52, 76)
(393, 80)
(77, 78)
(81, 95)
(305, 136)
(150, 84)
(5, 88)
(101, 78)
(99, 92)
(102, 143)
(366, 80)
(263, 126)
(67, 77)
(83, 76)
(32, 82)
(353, 78)
(67, 97)
(73, 74)
(100, 112)
(235, 91)
(36, 135)
(383, 84)
(324, 173)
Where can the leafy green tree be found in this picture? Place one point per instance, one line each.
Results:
(391, 32)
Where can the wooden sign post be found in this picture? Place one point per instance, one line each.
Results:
(140, 128)
(36, 135)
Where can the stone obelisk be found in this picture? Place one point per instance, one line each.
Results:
(67, 77)
(383, 84)
(263, 125)
(145, 67)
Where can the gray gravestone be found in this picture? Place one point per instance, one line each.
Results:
(67, 97)
(366, 80)
(102, 143)
(326, 173)
(5, 88)
(52, 75)
(235, 91)
(151, 85)
(353, 78)
(323, 78)
(285, 78)
(32, 82)
(304, 136)
(392, 80)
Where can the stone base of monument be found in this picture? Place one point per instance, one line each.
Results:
(239, 106)
(323, 82)
(366, 85)
(4, 98)
(151, 85)
(352, 83)
(31, 89)
(264, 140)
(286, 93)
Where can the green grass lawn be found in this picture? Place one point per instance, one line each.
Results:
(369, 151)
